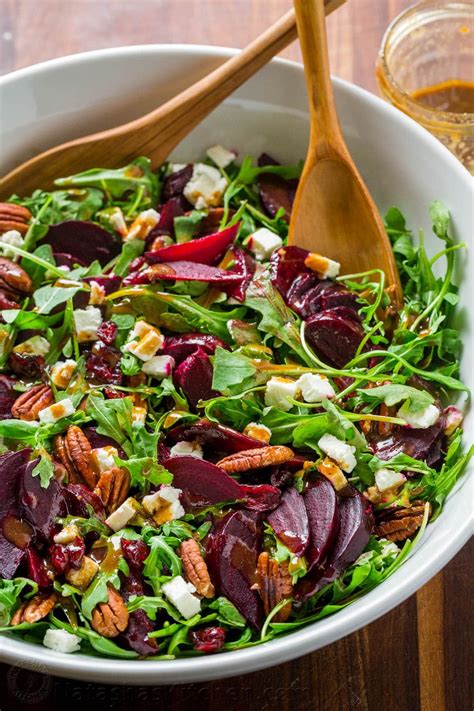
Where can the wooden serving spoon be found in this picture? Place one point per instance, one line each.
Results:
(157, 133)
(333, 212)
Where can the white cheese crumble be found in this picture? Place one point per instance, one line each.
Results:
(36, 345)
(341, 452)
(278, 391)
(102, 458)
(56, 411)
(12, 237)
(263, 243)
(315, 388)
(62, 372)
(121, 516)
(324, 267)
(168, 497)
(159, 366)
(86, 322)
(138, 416)
(220, 155)
(117, 221)
(179, 593)
(67, 534)
(387, 479)
(97, 294)
(143, 225)
(206, 187)
(258, 431)
(419, 420)
(62, 641)
(144, 341)
(187, 449)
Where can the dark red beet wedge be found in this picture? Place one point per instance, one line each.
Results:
(287, 264)
(232, 552)
(7, 396)
(260, 497)
(194, 377)
(180, 347)
(79, 497)
(189, 271)
(290, 522)
(420, 444)
(171, 209)
(36, 568)
(320, 501)
(83, 241)
(204, 250)
(175, 183)
(202, 483)
(41, 506)
(12, 550)
(334, 335)
(220, 439)
(245, 266)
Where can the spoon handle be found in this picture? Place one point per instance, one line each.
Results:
(313, 40)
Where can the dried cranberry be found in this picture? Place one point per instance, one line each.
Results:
(208, 639)
(111, 394)
(59, 557)
(135, 552)
(37, 568)
(65, 555)
(7, 396)
(79, 498)
(103, 365)
(107, 332)
(26, 365)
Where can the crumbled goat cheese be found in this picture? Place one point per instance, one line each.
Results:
(56, 411)
(62, 641)
(263, 243)
(387, 479)
(143, 225)
(87, 322)
(102, 458)
(206, 187)
(179, 593)
(278, 391)
(419, 420)
(97, 294)
(36, 345)
(325, 268)
(12, 237)
(220, 155)
(187, 449)
(138, 416)
(121, 516)
(62, 372)
(144, 341)
(117, 221)
(340, 451)
(258, 431)
(159, 366)
(67, 534)
(167, 497)
(315, 388)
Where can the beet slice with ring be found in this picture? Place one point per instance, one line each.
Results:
(320, 501)
(83, 241)
(194, 377)
(180, 347)
(204, 250)
(286, 264)
(12, 467)
(290, 522)
(233, 546)
(334, 335)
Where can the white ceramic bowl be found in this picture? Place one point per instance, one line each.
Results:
(402, 164)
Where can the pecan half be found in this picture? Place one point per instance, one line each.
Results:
(35, 609)
(195, 568)
(14, 281)
(111, 617)
(113, 487)
(274, 585)
(255, 459)
(398, 524)
(14, 217)
(74, 451)
(30, 403)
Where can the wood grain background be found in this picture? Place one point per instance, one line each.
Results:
(417, 656)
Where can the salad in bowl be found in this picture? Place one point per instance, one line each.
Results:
(210, 438)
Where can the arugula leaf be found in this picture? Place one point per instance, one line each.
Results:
(28, 320)
(114, 418)
(161, 555)
(186, 226)
(97, 591)
(131, 250)
(394, 393)
(48, 297)
(21, 430)
(45, 470)
(227, 613)
(10, 591)
(231, 369)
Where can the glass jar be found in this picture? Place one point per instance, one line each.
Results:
(426, 68)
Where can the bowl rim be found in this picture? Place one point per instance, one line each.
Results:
(301, 641)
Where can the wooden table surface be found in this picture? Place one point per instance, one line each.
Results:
(415, 657)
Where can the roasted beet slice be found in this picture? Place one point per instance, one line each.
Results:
(36, 568)
(7, 396)
(260, 497)
(334, 335)
(290, 522)
(12, 469)
(276, 193)
(219, 439)
(41, 506)
(136, 634)
(171, 209)
(245, 266)
(420, 444)
(186, 271)
(201, 482)
(320, 501)
(204, 250)
(234, 544)
(180, 347)
(194, 377)
(175, 183)
(83, 241)
(287, 264)
(79, 497)
(10, 557)
(308, 295)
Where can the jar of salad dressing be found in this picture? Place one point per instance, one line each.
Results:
(426, 68)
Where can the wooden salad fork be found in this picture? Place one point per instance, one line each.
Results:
(157, 133)
(333, 212)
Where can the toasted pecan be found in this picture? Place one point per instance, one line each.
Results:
(13, 279)
(274, 585)
(398, 524)
(111, 617)
(195, 568)
(14, 217)
(30, 403)
(113, 487)
(255, 459)
(35, 609)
